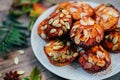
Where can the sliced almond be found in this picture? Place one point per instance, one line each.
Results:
(64, 28)
(77, 39)
(55, 22)
(100, 54)
(62, 22)
(83, 22)
(68, 16)
(85, 32)
(115, 47)
(105, 17)
(16, 60)
(72, 35)
(68, 43)
(58, 25)
(75, 54)
(61, 15)
(67, 25)
(21, 51)
(51, 54)
(115, 40)
(107, 36)
(65, 19)
(53, 30)
(21, 72)
(65, 11)
(57, 47)
(90, 60)
(44, 27)
(73, 9)
(60, 33)
(51, 21)
(43, 35)
(83, 14)
(113, 13)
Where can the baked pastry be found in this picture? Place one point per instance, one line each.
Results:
(111, 41)
(56, 25)
(86, 32)
(60, 53)
(107, 17)
(77, 9)
(95, 59)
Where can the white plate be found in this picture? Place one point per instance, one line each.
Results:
(72, 71)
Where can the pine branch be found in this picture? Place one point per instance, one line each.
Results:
(12, 35)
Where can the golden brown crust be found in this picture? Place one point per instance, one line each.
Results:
(56, 25)
(107, 17)
(77, 9)
(60, 53)
(95, 59)
(111, 41)
(86, 32)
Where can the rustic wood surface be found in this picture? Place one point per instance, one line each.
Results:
(26, 62)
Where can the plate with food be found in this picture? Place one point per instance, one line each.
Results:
(78, 40)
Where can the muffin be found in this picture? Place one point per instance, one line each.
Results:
(77, 9)
(107, 17)
(111, 41)
(95, 59)
(56, 25)
(86, 32)
(60, 53)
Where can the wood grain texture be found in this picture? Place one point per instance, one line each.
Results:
(26, 62)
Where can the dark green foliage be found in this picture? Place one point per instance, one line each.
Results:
(12, 35)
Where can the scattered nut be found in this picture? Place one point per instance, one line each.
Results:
(51, 54)
(67, 25)
(100, 54)
(16, 60)
(51, 21)
(44, 27)
(21, 72)
(21, 51)
(61, 15)
(55, 22)
(75, 54)
(115, 40)
(60, 33)
(62, 22)
(68, 16)
(115, 47)
(57, 47)
(68, 43)
(76, 39)
(65, 19)
(43, 35)
(53, 30)
(65, 11)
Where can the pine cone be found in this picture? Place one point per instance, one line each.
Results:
(12, 76)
